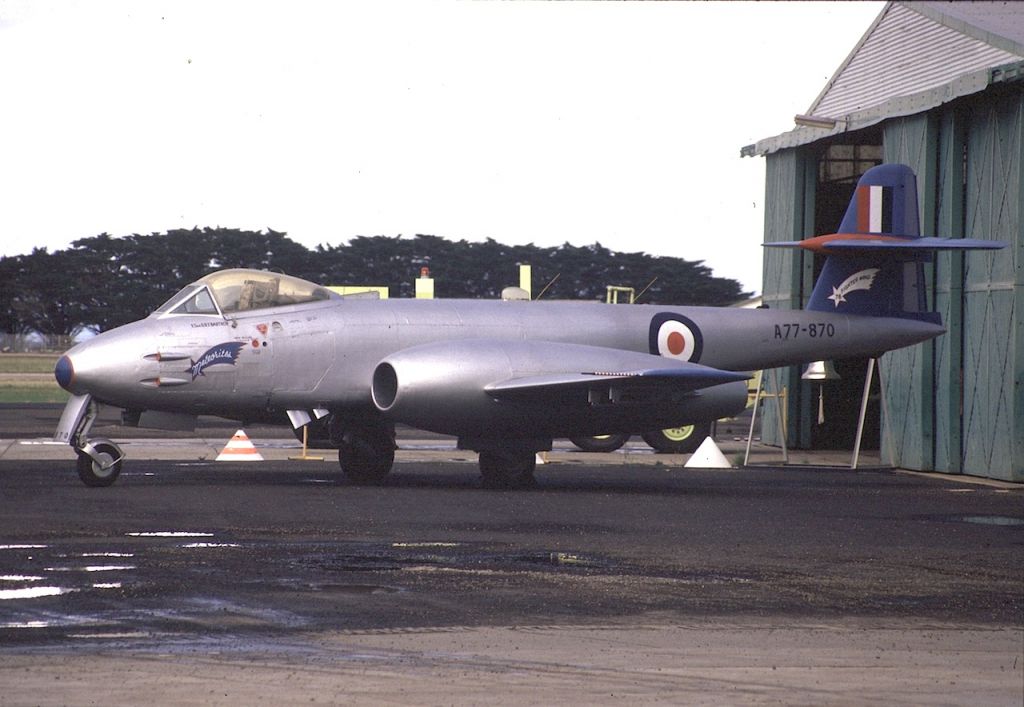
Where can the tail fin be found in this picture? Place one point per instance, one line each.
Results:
(874, 265)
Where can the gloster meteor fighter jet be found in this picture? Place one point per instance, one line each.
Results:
(504, 377)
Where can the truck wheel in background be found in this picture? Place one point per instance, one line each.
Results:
(600, 443)
(678, 440)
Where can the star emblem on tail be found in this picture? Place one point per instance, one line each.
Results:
(861, 280)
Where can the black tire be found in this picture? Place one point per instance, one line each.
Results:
(678, 440)
(367, 455)
(600, 443)
(507, 470)
(104, 469)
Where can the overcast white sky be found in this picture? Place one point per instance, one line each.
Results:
(538, 122)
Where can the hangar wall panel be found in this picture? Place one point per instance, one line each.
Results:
(907, 373)
(993, 405)
(948, 289)
(786, 274)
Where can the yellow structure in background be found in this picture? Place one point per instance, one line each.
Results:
(424, 285)
(381, 290)
(526, 279)
(612, 296)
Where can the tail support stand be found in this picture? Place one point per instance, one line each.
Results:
(863, 412)
(305, 447)
(872, 363)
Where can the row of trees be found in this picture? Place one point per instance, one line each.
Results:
(102, 282)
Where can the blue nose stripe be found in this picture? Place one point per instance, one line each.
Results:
(64, 372)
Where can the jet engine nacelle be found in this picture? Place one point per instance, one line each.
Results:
(444, 387)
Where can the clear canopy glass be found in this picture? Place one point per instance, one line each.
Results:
(239, 290)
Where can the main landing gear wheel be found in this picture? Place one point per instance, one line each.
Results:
(600, 443)
(507, 470)
(102, 466)
(678, 440)
(366, 455)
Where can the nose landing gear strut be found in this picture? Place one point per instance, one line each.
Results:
(99, 459)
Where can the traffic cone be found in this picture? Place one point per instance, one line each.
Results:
(708, 456)
(239, 449)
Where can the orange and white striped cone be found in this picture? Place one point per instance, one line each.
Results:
(239, 449)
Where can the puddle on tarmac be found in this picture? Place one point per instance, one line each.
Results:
(26, 624)
(107, 554)
(993, 520)
(425, 544)
(33, 592)
(192, 546)
(92, 568)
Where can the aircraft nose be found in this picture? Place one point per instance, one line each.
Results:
(91, 366)
(64, 372)
(106, 365)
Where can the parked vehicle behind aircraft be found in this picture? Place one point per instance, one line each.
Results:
(671, 440)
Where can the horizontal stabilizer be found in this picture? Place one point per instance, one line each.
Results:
(853, 243)
(924, 243)
(874, 264)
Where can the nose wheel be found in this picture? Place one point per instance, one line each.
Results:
(99, 462)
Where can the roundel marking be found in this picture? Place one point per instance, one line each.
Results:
(675, 336)
(676, 343)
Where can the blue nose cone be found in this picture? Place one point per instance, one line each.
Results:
(64, 372)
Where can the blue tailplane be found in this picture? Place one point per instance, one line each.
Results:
(874, 264)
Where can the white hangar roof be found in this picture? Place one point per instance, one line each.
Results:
(914, 57)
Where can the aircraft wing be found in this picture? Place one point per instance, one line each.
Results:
(686, 378)
(472, 387)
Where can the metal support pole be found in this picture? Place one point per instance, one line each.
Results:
(779, 402)
(753, 417)
(886, 430)
(305, 447)
(863, 412)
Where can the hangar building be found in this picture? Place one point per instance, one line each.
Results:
(938, 86)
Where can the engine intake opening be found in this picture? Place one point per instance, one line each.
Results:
(384, 388)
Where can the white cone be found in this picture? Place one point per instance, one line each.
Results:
(239, 449)
(708, 456)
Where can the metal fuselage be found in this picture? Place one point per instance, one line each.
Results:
(505, 377)
(323, 354)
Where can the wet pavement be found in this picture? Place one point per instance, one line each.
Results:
(619, 578)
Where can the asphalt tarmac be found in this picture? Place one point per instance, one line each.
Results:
(622, 578)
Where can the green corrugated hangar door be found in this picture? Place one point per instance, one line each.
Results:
(958, 403)
(993, 335)
(908, 373)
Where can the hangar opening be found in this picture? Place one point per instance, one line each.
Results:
(835, 404)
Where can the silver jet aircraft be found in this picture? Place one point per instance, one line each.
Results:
(504, 377)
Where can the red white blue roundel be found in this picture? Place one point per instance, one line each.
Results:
(675, 336)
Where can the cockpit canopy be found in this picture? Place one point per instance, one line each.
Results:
(232, 291)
